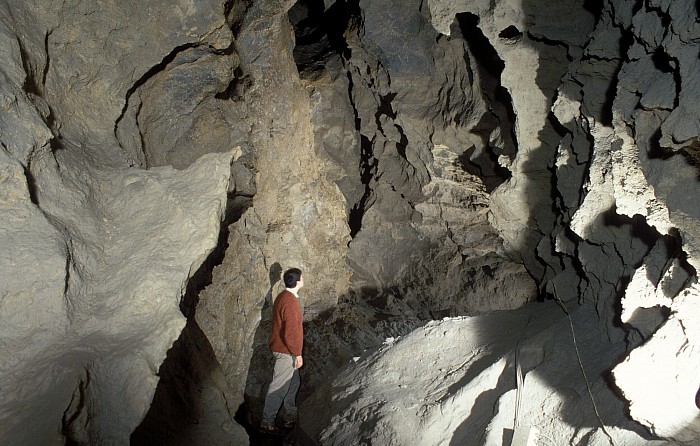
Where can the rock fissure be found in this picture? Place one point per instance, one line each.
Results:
(169, 58)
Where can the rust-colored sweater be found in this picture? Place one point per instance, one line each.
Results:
(287, 330)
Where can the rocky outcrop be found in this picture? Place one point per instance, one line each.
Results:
(470, 381)
(296, 217)
(96, 254)
(588, 204)
(656, 126)
(403, 126)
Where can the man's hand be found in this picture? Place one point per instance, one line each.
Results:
(298, 362)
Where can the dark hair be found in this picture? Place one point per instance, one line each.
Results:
(291, 277)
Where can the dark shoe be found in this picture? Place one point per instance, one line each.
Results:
(289, 424)
(270, 429)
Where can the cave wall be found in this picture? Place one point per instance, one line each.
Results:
(622, 129)
(374, 214)
(591, 207)
(296, 218)
(416, 159)
(97, 251)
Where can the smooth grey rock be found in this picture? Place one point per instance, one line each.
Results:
(108, 322)
(112, 246)
(428, 387)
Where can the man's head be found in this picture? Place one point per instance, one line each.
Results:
(291, 277)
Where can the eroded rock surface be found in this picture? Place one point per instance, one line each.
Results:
(418, 160)
(465, 381)
(96, 254)
(589, 203)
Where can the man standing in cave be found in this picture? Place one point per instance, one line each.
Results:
(286, 342)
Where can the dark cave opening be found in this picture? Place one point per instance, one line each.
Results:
(595, 7)
(479, 45)
(485, 163)
(368, 167)
(319, 33)
(511, 32)
(237, 87)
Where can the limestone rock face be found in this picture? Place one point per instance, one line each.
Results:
(662, 145)
(602, 173)
(465, 380)
(613, 161)
(421, 162)
(409, 135)
(415, 143)
(296, 218)
(101, 331)
(96, 254)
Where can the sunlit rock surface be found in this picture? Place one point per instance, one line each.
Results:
(474, 381)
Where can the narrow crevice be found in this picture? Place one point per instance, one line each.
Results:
(587, 163)
(402, 144)
(666, 63)
(368, 166)
(384, 109)
(142, 140)
(502, 114)
(145, 78)
(355, 113)
(31, 184)
(30, 85)
(204, 275)
(69, 262)
(626, 41)
(75, 409)
(36, 90)
(480, 47)
(45, 72)
(367, 169)
(320, 33)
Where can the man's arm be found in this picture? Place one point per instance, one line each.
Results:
(294, 330)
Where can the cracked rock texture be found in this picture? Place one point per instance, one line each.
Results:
(434, 167)
(598, 205)
(96, 253)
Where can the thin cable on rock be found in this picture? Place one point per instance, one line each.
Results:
(519, 378)
(583, 371)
